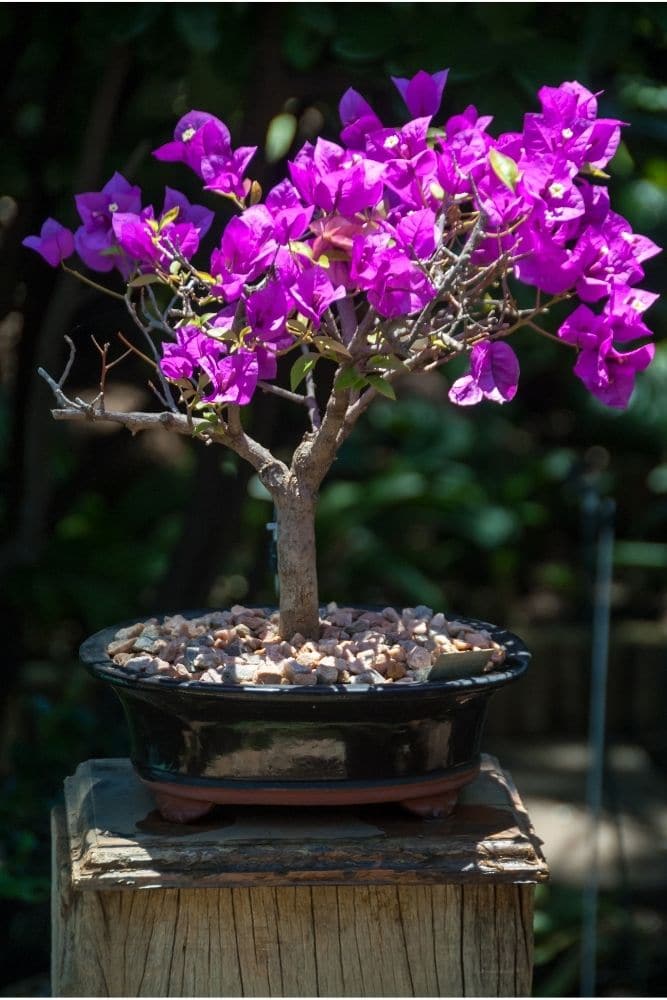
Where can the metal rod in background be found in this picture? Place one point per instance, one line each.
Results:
(272, 527)
(596, 737)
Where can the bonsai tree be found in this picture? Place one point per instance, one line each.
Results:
(395, 251)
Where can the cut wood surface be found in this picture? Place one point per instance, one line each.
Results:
(259, 902)
(118, 839)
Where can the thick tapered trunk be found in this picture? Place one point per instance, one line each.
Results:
(297, 566)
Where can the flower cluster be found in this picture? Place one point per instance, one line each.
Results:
(411, 234)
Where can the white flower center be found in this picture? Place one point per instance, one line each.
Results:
(567, 133)
(187, 134)
(113, 207)
(637, 305)
(556, 190)
(391, 142)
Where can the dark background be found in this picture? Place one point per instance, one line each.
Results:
(480, 511)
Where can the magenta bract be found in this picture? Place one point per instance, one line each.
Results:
(375, 220)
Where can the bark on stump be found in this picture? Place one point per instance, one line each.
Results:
(361, 901)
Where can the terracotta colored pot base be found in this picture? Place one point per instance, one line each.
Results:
(429, 797)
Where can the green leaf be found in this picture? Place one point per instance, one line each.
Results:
(381, 385)
(301, 367)
(388, 362)
(302, 248)
(169, 217)
(504, 168)
(143, 280)
(279, 136)
(325, 344)
(350, 378)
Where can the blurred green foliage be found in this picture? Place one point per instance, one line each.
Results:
(476, 511)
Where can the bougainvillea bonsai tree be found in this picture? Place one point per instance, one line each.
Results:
(396, 250)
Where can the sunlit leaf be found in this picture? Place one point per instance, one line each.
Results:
(325, 344)
(381, 385)
(504, 168)
(301, 367)
(279, 136)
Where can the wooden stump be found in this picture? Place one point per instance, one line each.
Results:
(363, 901)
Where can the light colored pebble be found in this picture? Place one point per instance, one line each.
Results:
(418, 658)
(327, 673)
(238, 673)
(479, 639)
(368, 677)
(243, 646)
(293, 671)
(211, 676)
(268, 675)
(396, 670)
(125, 645)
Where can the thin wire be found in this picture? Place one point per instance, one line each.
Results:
(596, 738)
(272, 527)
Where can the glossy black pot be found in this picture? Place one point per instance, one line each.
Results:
(200, 744)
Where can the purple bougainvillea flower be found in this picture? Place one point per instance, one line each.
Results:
(290, 217)
(95, 240)
(233, 378)
(137, 236)
(55, 242)
(417, 233)
(569, 126)
(153, 243)
(313, 293)
(584, 329)
(182, 359)
(266, 312)
(246, 249)
(358, 118)
(199, 216)
(494, 375)
(609, 374)
(188, 142)
(223, 173)
(624, 309)
(423, 92)
(97, 207)
(400, 287)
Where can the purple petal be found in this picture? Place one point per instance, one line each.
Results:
(54, 243)
(465, 392)
(423, 93)
(496, 369)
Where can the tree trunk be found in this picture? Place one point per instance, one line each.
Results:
(297, 565)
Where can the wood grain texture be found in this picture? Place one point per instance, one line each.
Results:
(368, 941)
(350, 902)
(118, 840)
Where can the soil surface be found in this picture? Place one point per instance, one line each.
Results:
(243, 646)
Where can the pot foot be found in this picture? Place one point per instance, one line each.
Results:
(435, 806)
(176, 809)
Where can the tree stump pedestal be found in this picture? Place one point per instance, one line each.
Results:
(358, 901)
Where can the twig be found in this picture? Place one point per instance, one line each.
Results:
(135, 350)
(91, 283)
(311, 397)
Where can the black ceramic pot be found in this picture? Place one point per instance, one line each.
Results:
(197, 744)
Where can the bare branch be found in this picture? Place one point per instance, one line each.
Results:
(91, 284)
(272, 472)
(313, 457)
(166, 396)
(311, 397)
(70, 362)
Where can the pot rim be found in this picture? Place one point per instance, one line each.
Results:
(97, 661)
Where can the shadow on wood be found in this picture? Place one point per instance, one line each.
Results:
(266, 902)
